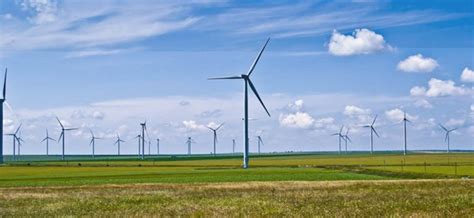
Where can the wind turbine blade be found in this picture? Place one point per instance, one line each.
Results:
(44, 140)
(258, 96)
(340, 131)
(375, 131)
(61, 136)
(228, 77)
(349, 139)
(366, 126)
(59, 121)
(219, 126)
(453, 129)
(70, 129)
(442, 127)
(257, 58)
(373, 122)
(5, 85)
(51, 139)
(18, 129)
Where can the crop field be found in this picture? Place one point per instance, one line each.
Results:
(419, 184)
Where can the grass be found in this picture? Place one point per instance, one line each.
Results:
(275, 185)
(422, 198)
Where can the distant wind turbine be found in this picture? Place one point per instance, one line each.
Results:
(233, 146)
(340, 136)
(259, 142)
(15, 139)
(1, 114)
(446, 139)
(93, 138)
(215, 136)
(46, 139)
(372, 131)
(20, 141)
(347, 138)
(63, 136)
(248, 82)
(190, 141)
(405, 120)
(158, 146)
(118, 142)
(139, 137)
(143, 125)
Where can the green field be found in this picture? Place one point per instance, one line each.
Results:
(276, 184)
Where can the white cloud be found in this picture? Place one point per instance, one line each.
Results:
(455, 122)
(351, 110)
(44, 10)
(325, 123)
(298, 120)
(362, 41)
(396, 115)
(192, 125)
(467, 75)
(423, 103)
(444, 88)
(418, 64)
(440, 88)
(418, 91)
(98, 115)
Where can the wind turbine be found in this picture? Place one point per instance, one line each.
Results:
(46, 139)
(340, 136)
(190, 141)
(118, 143)
(233, 146)
(158, 146)
(93, 138)
(347, 138)
(446, 139)
(19, 140)
(405, 120)
(259, 141)
(15, 138)
(248, 82)
(139, 137)
(143, 139)
(63, 136)
(372, 131)
(215, 136)
(1, 115)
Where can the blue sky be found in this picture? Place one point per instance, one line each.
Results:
(107, 65)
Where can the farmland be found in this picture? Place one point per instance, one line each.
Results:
(276, 184)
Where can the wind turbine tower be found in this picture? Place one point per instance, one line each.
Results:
(118, 142)
(15, 138)
(93, 138)
(446, 139)
(46, 139)
(405, 120)
(233, 146)
(247, 83)
(1, 114)
(372, 131)
(143, 139)
(190, 142)
(340, 136)
(259, 142)
(63, 136)
(347, 138)
(157, 146)
(214, 131)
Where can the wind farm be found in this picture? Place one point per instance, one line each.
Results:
(152, 108)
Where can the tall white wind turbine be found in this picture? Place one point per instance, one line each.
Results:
(372, 131)
(247, 83)
(63, 136)
(446, 139)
